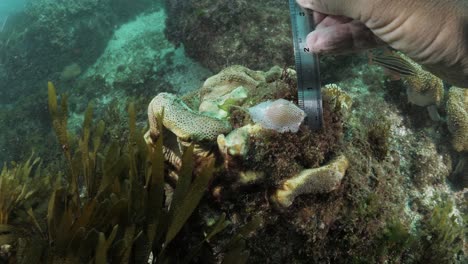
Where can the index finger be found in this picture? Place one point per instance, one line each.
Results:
(318, 17)
(349, 8)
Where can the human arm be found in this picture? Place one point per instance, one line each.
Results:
(434, 33)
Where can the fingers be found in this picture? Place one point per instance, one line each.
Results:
(323, 6)
(318, 17)
(328, 21)
(342, 38)
(337, 33)
(348, 8)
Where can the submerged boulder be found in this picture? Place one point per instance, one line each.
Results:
(221, 33)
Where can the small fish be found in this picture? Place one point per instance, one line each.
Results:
(422, 87)
(395, 64)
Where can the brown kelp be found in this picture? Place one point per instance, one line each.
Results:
(110, 204)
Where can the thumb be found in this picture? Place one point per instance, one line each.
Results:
(348, 8)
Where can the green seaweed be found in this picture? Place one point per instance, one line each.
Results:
(441, 238)
(438, 238)
(396, 241)
(378, 137)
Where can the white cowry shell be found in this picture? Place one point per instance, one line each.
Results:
(280, 115)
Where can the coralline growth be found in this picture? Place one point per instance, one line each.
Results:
(228, 79)
(457, 117)
(312, 181)
(185, 123)
(238, 87)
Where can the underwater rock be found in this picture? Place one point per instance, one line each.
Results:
(222, 33)
(48, 34)
(139, 55)
(257, 171)
(457, 117)
(222, 97)
(35, 46)
(250, 153)
(312, 181)
(280, 115)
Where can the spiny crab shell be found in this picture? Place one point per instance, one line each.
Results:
(233, 89)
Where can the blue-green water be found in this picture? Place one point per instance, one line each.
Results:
(382, 182)
(12, 6)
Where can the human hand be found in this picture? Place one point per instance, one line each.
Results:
(434, 33)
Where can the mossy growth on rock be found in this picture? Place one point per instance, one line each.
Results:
(442, 235)
(437, 238)
(219, 33)
(275, 153)
(378, 137)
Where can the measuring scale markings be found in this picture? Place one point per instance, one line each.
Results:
(307, 67)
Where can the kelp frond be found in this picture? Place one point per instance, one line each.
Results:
(16, 186)
(20, 187)
(59, 116)
(112, 207)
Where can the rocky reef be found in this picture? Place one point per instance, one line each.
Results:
(139, 57)
(364, 175)
(51, 40)
(367, 187)
(226, 171)
(41, 41)
(218, 34)
(128, 57)
(248, 153)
